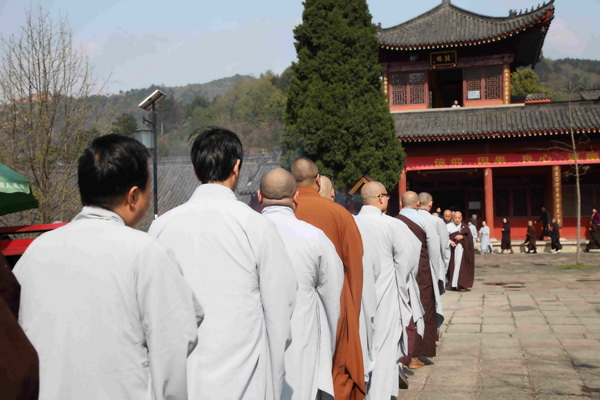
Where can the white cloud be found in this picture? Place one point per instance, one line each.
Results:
(563, 41)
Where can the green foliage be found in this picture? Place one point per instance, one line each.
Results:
(557, 74)
(336, 111)
(252, 108)
(125, 124)
(526, 81)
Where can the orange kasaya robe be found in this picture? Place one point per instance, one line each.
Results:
(340, 227)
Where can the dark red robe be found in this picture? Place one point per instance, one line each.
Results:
(19, 365)
(424, 346)
(466, 276)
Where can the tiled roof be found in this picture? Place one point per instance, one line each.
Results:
(466, 123)
(531, 97)
(590, 94)
(449, 26)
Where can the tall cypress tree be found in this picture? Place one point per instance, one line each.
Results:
(336, 112)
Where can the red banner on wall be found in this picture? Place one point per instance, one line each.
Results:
(500, 160)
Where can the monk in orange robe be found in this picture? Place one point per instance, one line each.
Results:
(340, 227)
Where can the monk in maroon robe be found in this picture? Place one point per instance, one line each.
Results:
(530, 239)
(19, 364)
(460, 235)
(424, 346)
(340, 227)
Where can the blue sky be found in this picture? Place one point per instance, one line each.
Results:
(176, 42)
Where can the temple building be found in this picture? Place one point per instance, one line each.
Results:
(490, 154)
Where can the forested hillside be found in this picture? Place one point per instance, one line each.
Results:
(254, 107)
(555, 75)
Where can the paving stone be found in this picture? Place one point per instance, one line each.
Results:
(530, 320)
(499, 328)
(581, 343)
(499, 340)
(498, 320)
(441, 394)
(495, 394)
(466, 320)
(569, 329)
(533, 329)
(553, 385)
(553, 320)
(506, 383)
(463, 328)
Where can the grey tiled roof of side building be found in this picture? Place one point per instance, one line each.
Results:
(177, 181)
(447, 23)
(499, 121)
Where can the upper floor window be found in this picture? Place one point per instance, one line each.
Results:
(408, 88)
(484, 83)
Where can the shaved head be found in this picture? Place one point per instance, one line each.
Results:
(457, 217)
(370, 192)
(374, 194)
(278, 184)
(410, 199)
(447, 216)
(425, 199)
(326, 188)
(304, 171)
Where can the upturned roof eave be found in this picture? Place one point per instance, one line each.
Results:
(546, 12)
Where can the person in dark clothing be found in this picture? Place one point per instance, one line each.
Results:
(594, 242)
(530, 240)
(505, 244)
(19, 363)
(545, 218)
(555, 236)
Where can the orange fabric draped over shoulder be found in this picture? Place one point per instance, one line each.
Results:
(340, 227)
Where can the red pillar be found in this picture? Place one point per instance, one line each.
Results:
(401, 187)
(488, 184)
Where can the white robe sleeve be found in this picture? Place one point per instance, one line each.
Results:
(278, 286)
(170, 315)
(329, 285)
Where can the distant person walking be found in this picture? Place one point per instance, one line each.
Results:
(545, 218)
(594, 242)
(505, 243)
(485, 246)
(555, 236)
(530, 239)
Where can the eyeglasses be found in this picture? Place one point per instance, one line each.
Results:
(384, 195)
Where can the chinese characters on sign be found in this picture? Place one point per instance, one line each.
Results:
(442, 58)
(500, 160)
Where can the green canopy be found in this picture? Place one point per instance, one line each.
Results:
(15, 192)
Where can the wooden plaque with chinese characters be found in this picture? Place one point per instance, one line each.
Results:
(443, 58)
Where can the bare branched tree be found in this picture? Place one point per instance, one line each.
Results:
(46, 116)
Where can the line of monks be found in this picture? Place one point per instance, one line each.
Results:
(217, 301)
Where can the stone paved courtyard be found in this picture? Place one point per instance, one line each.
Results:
(525, 331)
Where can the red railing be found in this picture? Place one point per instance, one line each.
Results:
(16, 247)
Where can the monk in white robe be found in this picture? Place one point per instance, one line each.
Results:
(436, 245)
(105, 305)
(391, 259)
(236, 262)
(320, 275)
